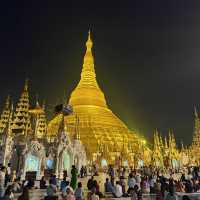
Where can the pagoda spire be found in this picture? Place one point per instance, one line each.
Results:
(87, 91)
(88, 76)
(4, 119)
(21, 123)
(195, 112)
(196, 137)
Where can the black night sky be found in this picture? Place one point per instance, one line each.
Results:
(147, 56)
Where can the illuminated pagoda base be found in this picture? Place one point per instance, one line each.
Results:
(103, 134)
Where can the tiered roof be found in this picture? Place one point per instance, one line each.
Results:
(21, 122)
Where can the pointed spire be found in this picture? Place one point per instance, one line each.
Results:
(87, 91)
(195, 112)
(7, 104)
(88, 76)
(26, 85)
(21, 122)
(4, 118)
(44, 105)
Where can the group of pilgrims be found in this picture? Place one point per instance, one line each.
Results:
(90, 184)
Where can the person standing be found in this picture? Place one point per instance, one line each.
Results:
(8, 174)
(82, 172)
(2, 180)
(74, 177)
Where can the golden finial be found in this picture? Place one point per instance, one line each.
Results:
(26, 85)
(195, 112)
(89, 42)
(43, 104)
(7, 101)
(37, 101)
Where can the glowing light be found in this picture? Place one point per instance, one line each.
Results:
(104, 163)
(144, 142)
(32, 163)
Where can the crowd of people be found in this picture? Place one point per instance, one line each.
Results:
(122, 182)
(164, 184)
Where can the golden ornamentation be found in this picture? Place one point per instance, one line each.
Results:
(96, 121)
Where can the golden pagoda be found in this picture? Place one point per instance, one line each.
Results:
(38, 120)
(96, 122)
(21, 122)
(4, 118)
(195, 154)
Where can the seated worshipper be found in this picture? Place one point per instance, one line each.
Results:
(63, 184)
(90, 183)
(8, 193)
(65, 189)
(79, 195)
(171, 195)
(92, 195)
(108, 186)
(30, 183)
(43, 183)
(188, 186)
(69, 195)
(53, 179)
(196, 186)
(17, 187)
(134, 193)
(51, 190)
(97, 187)
(180, 186)
(145, 186)
(131, 182)
(123, 184)
(24, 195)
(118, 190)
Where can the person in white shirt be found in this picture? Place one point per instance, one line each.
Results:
(118, 190)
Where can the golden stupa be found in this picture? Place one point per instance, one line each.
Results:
(98, 127)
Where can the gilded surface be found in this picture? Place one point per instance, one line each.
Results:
(97, 124)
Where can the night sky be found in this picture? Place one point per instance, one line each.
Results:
(147, 56)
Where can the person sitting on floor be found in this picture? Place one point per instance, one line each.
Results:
(51, 190)
(108, 186)
(43, 183)
(118, 190)
(79, 195)
(24, 195)
(17, 187)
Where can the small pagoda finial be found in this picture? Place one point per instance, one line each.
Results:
(43, 104)
(26, 84)
(89, 42)
(7, 104)
(195, 112)
(37, 101)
